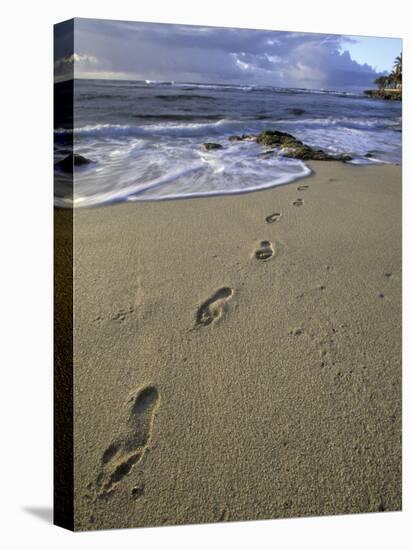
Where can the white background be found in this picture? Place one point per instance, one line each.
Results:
(26, 272)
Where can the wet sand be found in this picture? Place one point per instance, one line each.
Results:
(239, 357)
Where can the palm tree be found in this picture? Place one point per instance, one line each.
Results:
(394, 79)
(391, 81)
(397, 71)
(397, 66)
(381, 82)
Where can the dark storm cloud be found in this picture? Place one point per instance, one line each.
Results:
(209, 54)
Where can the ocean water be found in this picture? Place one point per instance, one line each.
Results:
(145, 139)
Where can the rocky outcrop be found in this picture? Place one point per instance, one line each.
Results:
(274, 137)
(294, 148)
(212, 146)
(304, 152)
(291, 147)
(72, 160)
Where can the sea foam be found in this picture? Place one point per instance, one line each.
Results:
(146, 138)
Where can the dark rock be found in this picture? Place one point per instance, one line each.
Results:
(212, 146)
(304, 152)
(294, 148)
(296, 111)
(243, 137)
(71, 160)
(344, 157)
(273, 137)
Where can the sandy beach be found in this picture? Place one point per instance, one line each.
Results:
(233, 367)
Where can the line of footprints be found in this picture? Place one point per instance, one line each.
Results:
(213, 308)
(130, 447)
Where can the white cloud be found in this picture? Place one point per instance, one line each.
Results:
(69, 65)
(211, 54)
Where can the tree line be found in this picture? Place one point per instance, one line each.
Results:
(394, 79)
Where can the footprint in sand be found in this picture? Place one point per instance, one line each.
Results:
(122, 314)
(273, 217)
(298, 202)
(213, 309)
(303, 187)
(265, 252)
(129, 448)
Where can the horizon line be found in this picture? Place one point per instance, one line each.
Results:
(171, 82)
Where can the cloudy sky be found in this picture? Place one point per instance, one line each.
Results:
(182, 53)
